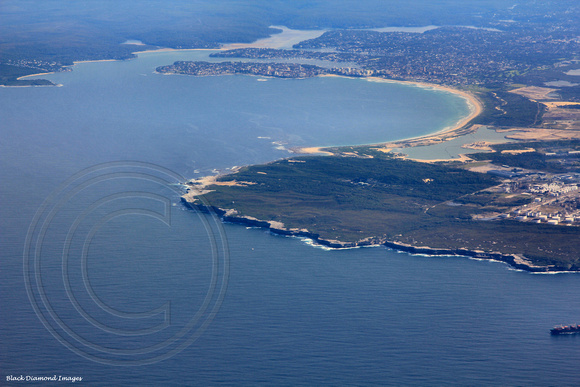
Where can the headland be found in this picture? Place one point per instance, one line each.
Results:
(488, 205)
(361, 197)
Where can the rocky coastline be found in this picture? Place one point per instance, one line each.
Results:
(516, 261)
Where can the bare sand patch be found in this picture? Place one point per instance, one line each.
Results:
(478, 145)
(560, 103)
(312, 150)
(517, 151)
(535, 93)
(462, 158)
(482, 168)
(383, 149)
(528, 134)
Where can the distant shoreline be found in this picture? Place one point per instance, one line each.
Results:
(474, 104)
(288, 35)
(54, 72)
(95, 61)
(33, 75)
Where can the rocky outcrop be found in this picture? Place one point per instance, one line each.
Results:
(515, 260)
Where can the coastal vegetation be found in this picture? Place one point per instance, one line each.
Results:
(453, 55)
(9, 76)
(59, 32)
(348, 201)
(361, 195)
(488, 62)
(505, 109)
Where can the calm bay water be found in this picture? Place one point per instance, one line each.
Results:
(108, 248)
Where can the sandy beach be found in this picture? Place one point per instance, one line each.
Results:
(288, 37)
(474, 104)
(52, 72)
(33, 75)
(95, 61)
(115, 60)
(448, 133)
(475, 107)
(174, 49)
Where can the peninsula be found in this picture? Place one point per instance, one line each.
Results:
(278, 70)
(362, 196)
(517, 202)
(518, 68)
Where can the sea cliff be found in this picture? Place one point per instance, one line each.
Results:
(517, 261)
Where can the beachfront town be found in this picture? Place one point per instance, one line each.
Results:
(279, 70)
(450, 55)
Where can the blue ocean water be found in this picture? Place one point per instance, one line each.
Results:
(106, 276)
